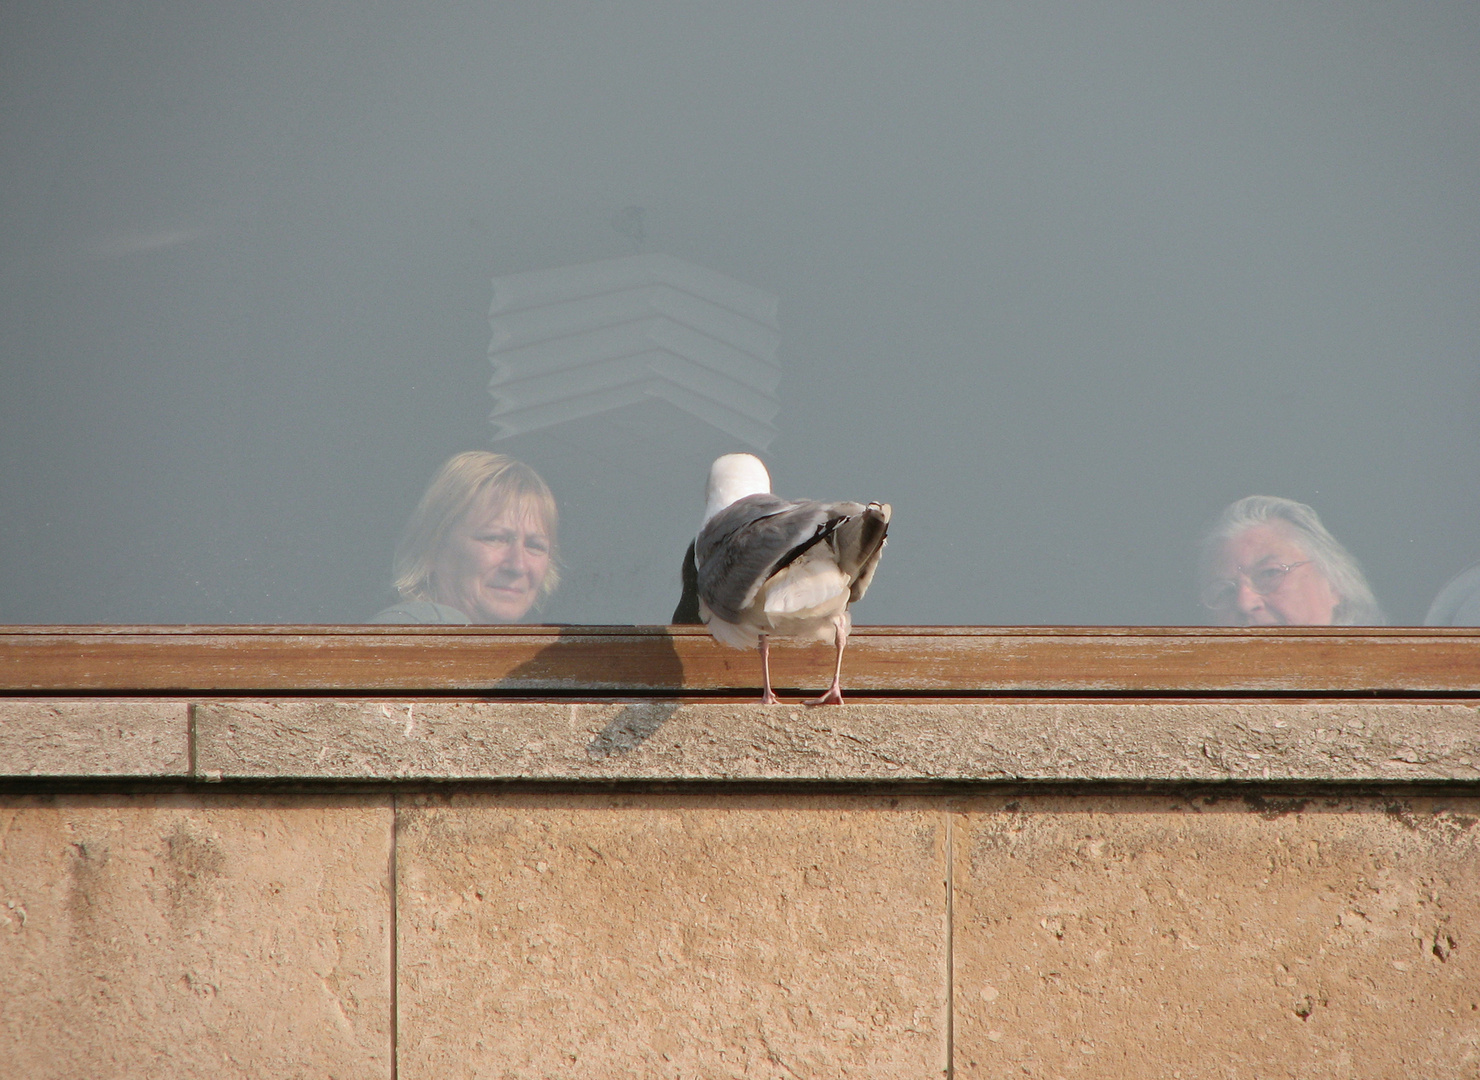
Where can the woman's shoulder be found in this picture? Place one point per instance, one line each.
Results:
(1458, 603)
(421, 611)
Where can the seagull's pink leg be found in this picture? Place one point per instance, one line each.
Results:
(834, 693)
(768, 697)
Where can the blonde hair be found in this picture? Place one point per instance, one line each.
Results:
(461, 482)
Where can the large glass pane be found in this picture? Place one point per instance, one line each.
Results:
(1059, 282)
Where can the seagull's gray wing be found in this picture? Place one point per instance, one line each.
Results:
(752, 538)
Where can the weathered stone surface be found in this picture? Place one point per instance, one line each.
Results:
(626, 936)
(1309, 938)
(896, 741)
(97, 737)
(184, 935)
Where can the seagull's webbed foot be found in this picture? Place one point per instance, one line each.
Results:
(768, 696)
(834, 693)
(834, 696)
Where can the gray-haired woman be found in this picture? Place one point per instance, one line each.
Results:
(1270, 562)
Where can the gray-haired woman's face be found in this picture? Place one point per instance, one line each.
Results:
(493, 562)
(1263, 577)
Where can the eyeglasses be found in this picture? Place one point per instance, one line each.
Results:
(1267, 579)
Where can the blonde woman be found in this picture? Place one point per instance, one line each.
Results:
(480, 546)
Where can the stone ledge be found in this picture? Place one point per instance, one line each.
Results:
(1315, 741)
(664, 740)
(94, 737)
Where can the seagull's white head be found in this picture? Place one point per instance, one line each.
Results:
(732, 477)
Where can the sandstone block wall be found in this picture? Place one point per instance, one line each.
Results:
(318, 889)
(185, 934)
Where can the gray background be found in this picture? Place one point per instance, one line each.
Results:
(1058, 281)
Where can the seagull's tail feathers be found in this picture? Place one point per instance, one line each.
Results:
(728, 633)
(858, 543)
(808, 587)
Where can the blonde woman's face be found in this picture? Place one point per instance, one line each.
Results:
(493, 562)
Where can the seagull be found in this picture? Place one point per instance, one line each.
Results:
(768, 566)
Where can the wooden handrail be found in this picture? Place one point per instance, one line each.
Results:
(573, 661)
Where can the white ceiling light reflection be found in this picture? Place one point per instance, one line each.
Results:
(572, 342)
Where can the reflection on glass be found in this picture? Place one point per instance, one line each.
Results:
(480, 546)
(1270, 562)
(576, 341)
(1061, 280)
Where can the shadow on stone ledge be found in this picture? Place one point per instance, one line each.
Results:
(630, 728)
